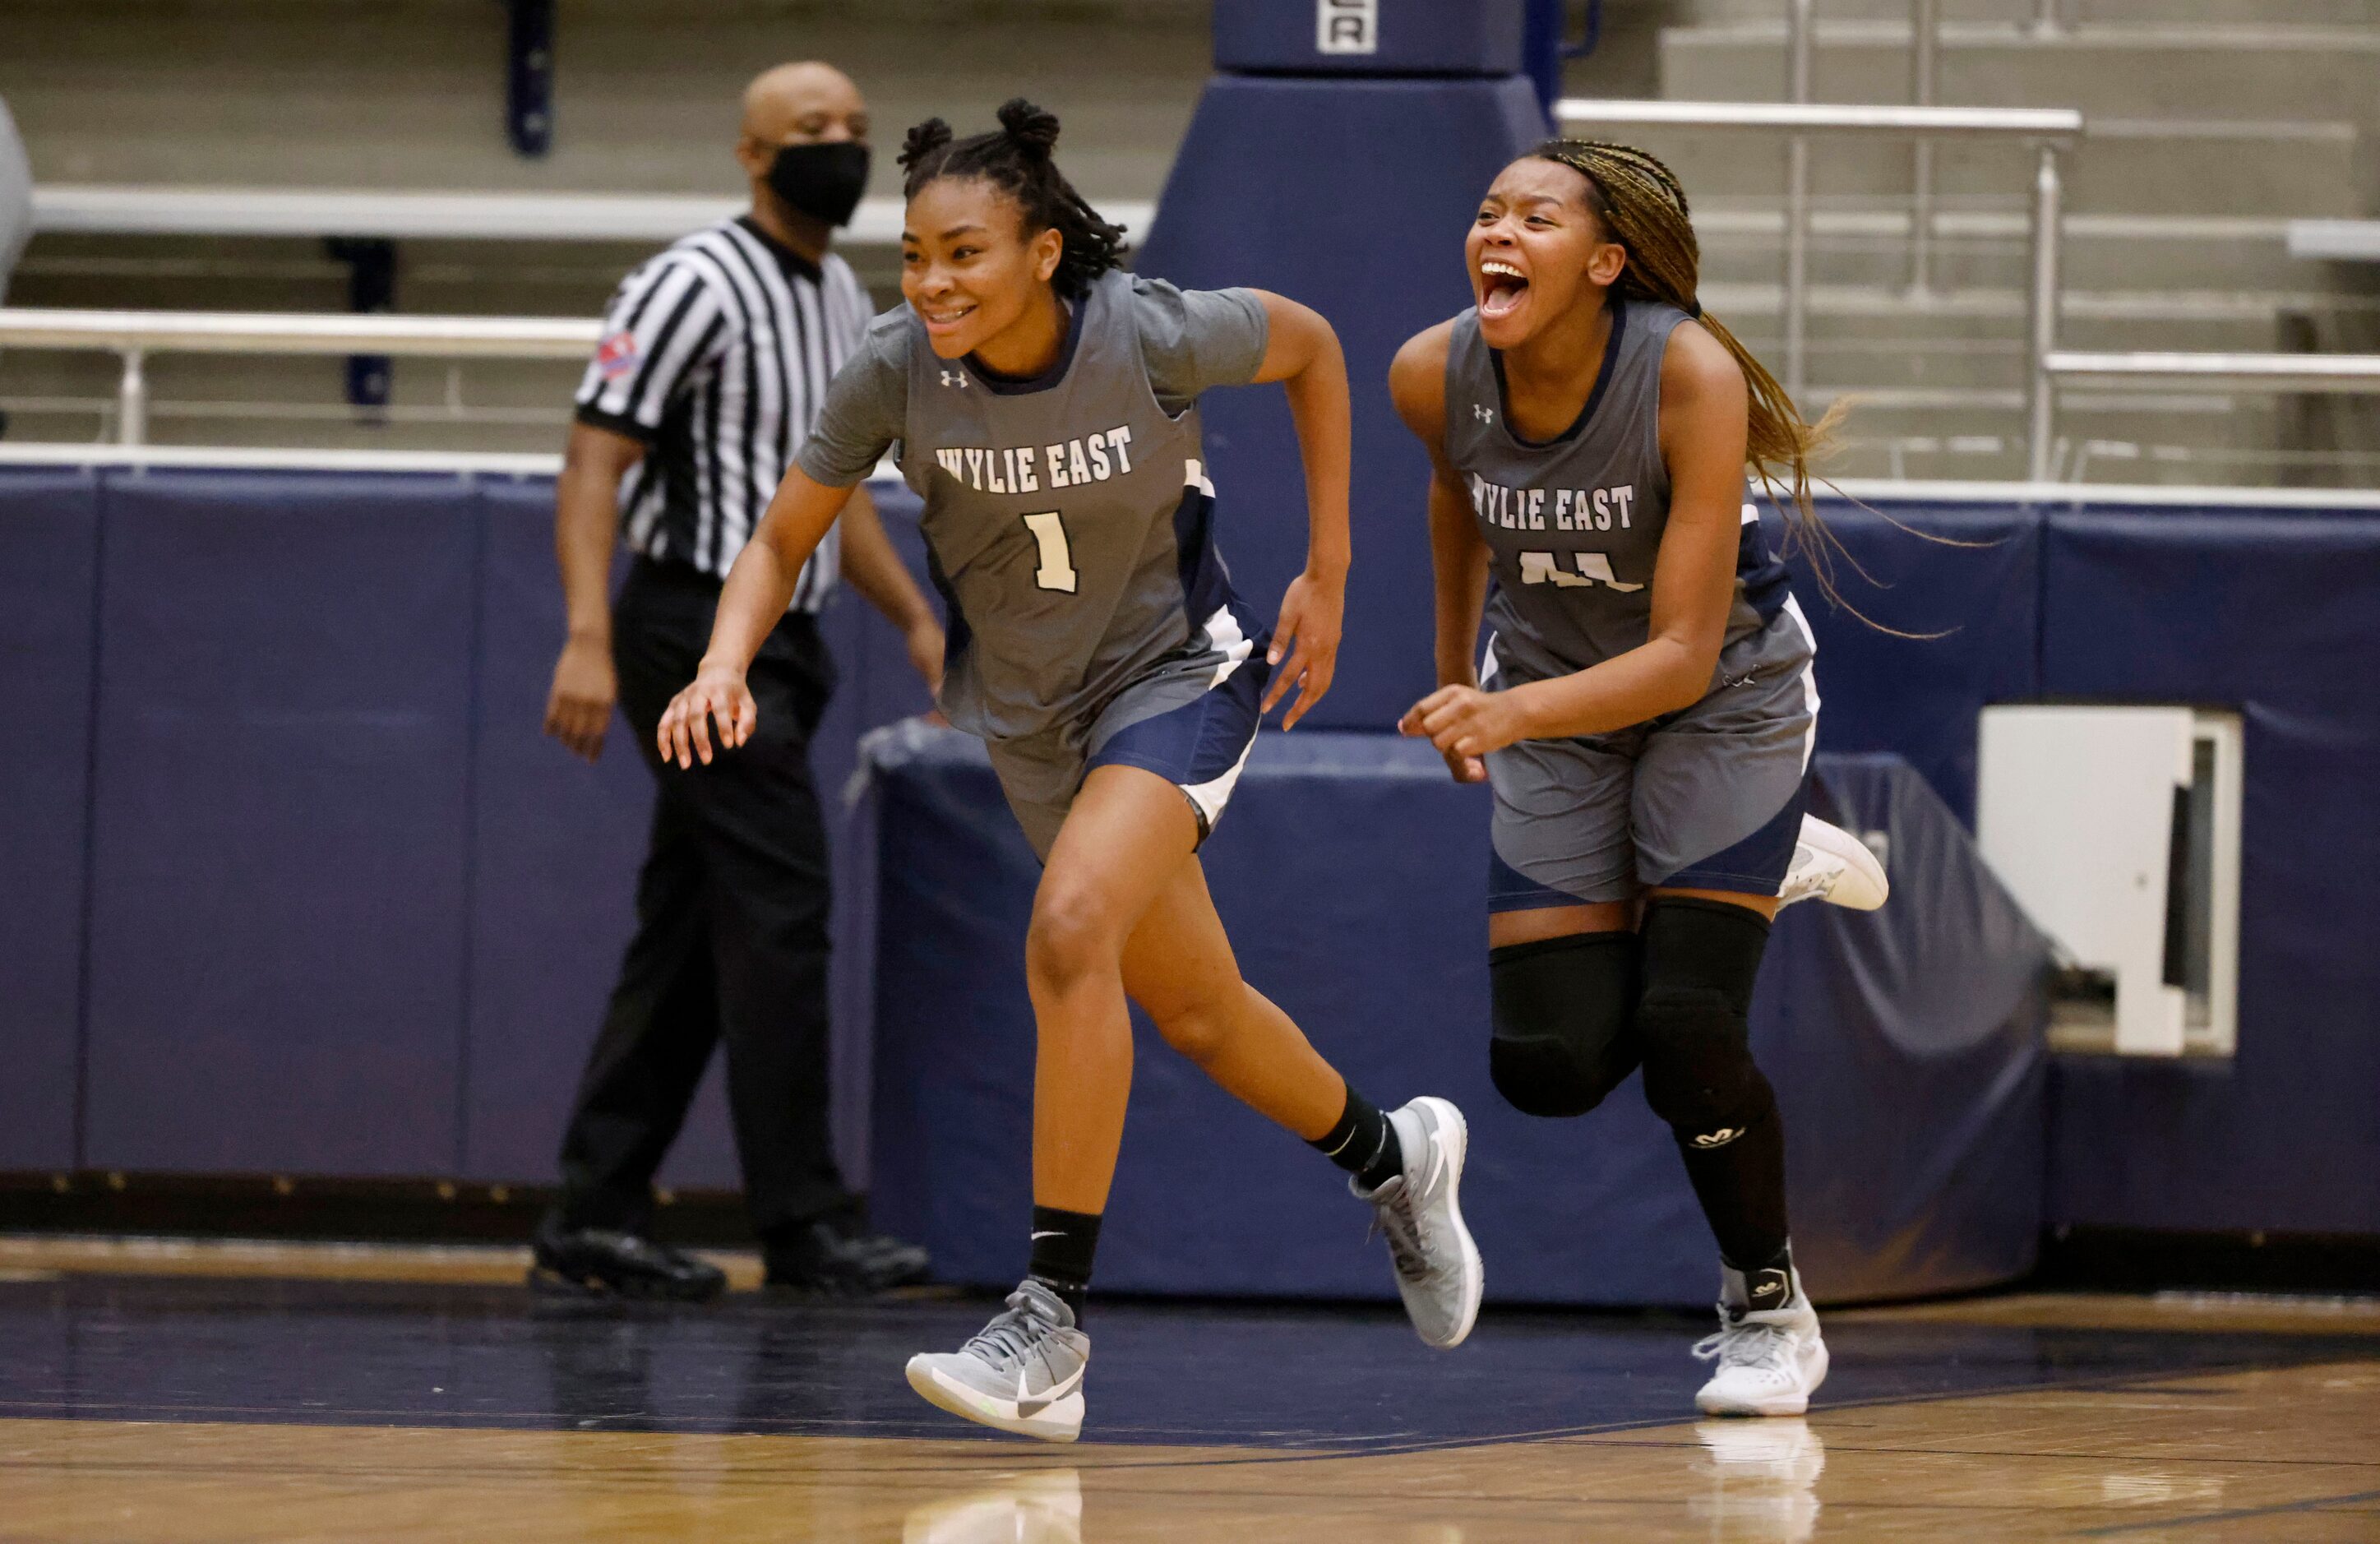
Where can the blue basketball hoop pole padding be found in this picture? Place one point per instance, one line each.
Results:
(1344, 180)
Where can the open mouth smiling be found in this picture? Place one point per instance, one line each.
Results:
(1501, 286)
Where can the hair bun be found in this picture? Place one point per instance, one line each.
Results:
(1033, 128)
(923, 140)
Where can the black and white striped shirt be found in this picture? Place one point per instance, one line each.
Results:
(716, 354)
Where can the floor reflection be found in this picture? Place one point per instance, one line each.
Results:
(1039, 1508)
(1756, 1480)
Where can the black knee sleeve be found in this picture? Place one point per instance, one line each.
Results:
(1694, 1021)
(1562, 1009)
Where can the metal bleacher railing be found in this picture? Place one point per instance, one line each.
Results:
(2050, 130)
(133, 336)
(100, 210)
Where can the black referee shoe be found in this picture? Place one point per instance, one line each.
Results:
(820, 1260)
(625, 1264)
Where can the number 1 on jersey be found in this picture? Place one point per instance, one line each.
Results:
(1057, 570)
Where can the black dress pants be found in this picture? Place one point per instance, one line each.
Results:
(731, 940)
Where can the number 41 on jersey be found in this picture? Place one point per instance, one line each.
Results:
(1593, 568)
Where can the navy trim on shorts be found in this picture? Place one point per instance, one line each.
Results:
(1511, 890)
(1755, 865)
(1201, 740)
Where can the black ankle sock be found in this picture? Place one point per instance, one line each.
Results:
(1363, 1143)
(1063, 1243)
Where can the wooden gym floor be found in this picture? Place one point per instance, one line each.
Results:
(152, 1392)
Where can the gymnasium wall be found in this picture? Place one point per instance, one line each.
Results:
(293, 884)
(2260, 611)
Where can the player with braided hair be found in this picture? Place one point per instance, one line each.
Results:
(1017, 161)
(1645, 711)
(1045, 406)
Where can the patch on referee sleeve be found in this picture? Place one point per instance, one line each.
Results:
(615, 356)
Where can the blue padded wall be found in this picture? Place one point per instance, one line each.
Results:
(555, 845)
(352, 914)
(1965, 581)
(878, 687)
(2271, 614)
(1351, 872)
(1409, 37)
(49, 565)
(1906, 1049)
(355, 914)
(1237, 211)
(278, 891)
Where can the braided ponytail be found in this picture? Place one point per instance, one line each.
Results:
(1016, 159)
(1643, 208)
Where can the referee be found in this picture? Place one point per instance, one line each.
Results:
(714, 359)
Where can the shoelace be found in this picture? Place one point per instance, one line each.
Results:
(1010, 1336)
(1408, 1239)
(1763, 1346)
(1816, 881)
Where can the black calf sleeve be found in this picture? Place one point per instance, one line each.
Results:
(1562, 1008)
(1700, 959)
(1742, 1188)
(1693, 1022)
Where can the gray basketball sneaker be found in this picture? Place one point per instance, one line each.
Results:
(1022, 1373)
(1420, 1210)
(1831, 864)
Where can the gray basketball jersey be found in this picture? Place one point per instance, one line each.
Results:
(1574, 525)
(1068, 522)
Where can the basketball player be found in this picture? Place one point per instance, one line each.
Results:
(1045, 406)
(1645, 711)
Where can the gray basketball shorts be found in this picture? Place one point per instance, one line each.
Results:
(1191, 719)
(1708, 797)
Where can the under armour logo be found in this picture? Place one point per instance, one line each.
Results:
(1718, 1138)
(955, 378)
(1484, 413)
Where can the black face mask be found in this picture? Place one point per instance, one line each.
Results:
(823, 181)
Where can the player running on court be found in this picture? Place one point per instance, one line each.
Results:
(1645, 711)
(1045, 404)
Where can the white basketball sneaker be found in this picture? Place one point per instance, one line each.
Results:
(1833, 866)
(1771, 1360)
(1420, 1210)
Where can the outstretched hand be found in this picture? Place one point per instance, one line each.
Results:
(1305, 651)
(1464, 723)
(718, 695)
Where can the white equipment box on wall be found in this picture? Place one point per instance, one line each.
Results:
(2118, 830)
